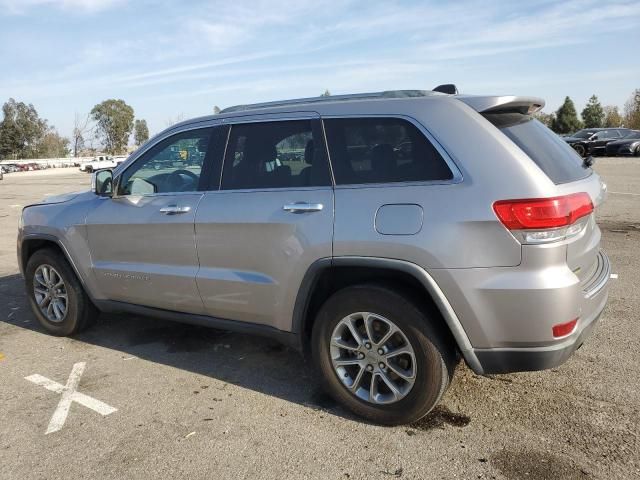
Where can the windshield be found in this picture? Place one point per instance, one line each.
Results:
(632, 135)
(552, 154)
(583, 134)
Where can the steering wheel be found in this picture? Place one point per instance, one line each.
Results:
(176, 181)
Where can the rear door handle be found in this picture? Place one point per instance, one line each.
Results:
(302, 207)
(174, 209)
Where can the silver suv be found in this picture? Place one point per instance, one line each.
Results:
(387, 235)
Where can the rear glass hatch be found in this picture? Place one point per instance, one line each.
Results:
(551, 153)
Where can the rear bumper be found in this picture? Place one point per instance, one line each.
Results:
(521, 359)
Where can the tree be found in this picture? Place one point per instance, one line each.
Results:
(80, 129)
(326, 93)
(169, 122)
(593, 114)
(216, 109)
(21, 130)
(632, 110)
(612, 117)
(53, 145)
(114, 122)
(140, 132)
(566, 120)
(546, 118)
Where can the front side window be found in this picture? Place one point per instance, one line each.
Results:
(174, 165)
(382, 150)
(282, 154)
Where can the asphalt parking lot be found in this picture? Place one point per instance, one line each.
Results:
(188, 402)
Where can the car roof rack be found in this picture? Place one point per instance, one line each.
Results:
(336, 98)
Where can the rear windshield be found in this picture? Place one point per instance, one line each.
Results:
(550, 152)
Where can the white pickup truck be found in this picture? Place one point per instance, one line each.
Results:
(101, 162)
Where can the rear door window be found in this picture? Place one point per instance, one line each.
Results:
(382, 150)
(282, 154)
(551, 153)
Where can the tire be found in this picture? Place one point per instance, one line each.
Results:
(433, 362)
(637, 154)
(80, 312)
(580, 150)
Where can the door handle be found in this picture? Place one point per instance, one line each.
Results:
(302, 207)
(174, 209)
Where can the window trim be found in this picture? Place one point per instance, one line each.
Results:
(456, 178)
(139, 155)
(316, 122)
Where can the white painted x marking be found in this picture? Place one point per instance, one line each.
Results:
(69, 395)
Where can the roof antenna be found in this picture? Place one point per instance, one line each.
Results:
(449, 88)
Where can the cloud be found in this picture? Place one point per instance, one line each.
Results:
(23, 6)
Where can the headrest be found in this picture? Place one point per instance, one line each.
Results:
(309, 151)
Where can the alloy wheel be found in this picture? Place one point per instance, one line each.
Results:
(373, 358)
(50, 293)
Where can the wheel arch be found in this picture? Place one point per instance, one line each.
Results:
(31, 243)
(328, 275)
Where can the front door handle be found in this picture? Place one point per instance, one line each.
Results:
(302, 207)
(174, 210)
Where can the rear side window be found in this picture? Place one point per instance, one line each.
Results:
(550, 152)
(382, 150)
(283, 154)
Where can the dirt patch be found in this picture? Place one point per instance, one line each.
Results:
(536, 465)
(439, 417)
(619, 227)
(322, 400)
(178, 338)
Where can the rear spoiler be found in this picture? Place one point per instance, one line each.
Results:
(502, 103)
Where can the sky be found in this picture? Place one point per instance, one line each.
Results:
(171, 60)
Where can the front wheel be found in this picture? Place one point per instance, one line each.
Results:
(56, 296)
(380, 355)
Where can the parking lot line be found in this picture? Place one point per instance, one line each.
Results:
(69, 395)
(626, 193)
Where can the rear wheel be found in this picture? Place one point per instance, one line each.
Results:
(380, 355)
(580, 149)
(55, 294)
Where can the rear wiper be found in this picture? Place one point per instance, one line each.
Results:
(588, 161)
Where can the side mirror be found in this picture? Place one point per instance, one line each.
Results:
(102, 183)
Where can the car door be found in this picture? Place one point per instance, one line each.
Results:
(271, 219)
(602, 138)
(142, 240)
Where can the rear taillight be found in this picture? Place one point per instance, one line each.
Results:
(564, 329)
(544, 219)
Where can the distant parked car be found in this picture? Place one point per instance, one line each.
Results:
(593, 141)
(629, 145)
(99, 163)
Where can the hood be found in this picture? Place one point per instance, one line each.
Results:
(65, 197)
(573, 139)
